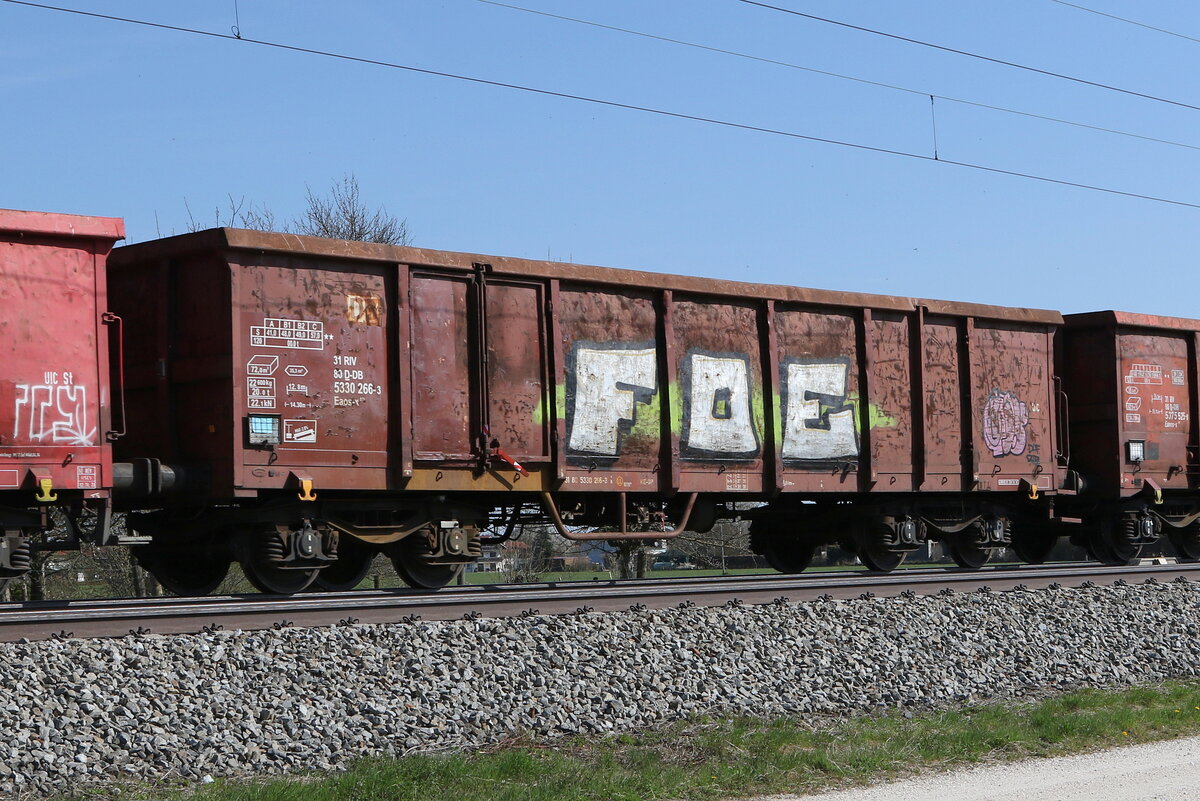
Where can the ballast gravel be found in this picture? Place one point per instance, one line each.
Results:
(233, 703)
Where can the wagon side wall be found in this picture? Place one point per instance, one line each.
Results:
(56, 393)
(1132, 381)
(407, 370)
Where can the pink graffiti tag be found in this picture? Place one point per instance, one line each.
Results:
(1005, 423)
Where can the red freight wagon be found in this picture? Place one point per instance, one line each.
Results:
(55, 395)
(1133, 436)
(307, 402)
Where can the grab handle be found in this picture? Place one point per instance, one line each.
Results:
(108, 318)
(1064, 423)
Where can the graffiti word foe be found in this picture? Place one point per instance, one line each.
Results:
(611, 381)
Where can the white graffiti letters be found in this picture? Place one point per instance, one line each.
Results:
(807, 433)
(610, 382)
(607, 385)
(719, 405)
(52, 414)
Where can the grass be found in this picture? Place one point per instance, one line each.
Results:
(712, 759)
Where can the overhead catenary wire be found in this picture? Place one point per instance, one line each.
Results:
(969, 54)
(841, 76)
(602, 102)
(1127, 20)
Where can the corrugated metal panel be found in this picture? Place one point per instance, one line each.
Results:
(643, 382)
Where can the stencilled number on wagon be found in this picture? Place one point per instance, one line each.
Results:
(818, 423)
(357, 388)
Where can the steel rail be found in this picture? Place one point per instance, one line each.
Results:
(36, 620)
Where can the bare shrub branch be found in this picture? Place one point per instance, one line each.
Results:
(342, 215)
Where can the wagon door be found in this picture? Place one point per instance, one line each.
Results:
(478, 374)
(442, 363)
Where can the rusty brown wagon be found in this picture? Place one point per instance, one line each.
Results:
(302, 404)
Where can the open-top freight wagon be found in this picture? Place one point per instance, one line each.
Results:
(55, 400)
(301, 404)
(1132, 383)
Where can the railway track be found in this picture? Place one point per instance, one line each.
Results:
(119, 617)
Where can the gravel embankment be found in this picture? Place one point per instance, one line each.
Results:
(273, 701)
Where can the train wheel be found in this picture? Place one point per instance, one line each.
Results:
(1033, 546)
(351, 567)
(277, 580)
(967, 553)
(410, 557)
(1109, 542)
(185, 572)
(262, 556)
(878, 558)
(787, 555)
(1186, 542)
(1099, 551)
(425, 576)
(873, 545)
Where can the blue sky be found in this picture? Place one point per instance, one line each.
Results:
(114, 119)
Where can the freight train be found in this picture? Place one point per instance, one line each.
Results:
(299, 405)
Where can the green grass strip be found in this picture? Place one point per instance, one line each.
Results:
(720, 758)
